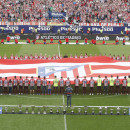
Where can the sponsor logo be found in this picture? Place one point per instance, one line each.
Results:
(71, 28)
(121, 38)
(14, 37)
(11, 27)
(44, 28)
(106, 38)
(60, 37)
(107, 29)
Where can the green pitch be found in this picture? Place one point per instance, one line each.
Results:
(61, 122)
(58, 122)
(65, 49)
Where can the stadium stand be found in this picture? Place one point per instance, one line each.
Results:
(107, 11)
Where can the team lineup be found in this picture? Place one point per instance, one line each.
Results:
(42, 86)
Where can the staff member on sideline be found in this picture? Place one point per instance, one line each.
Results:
(128, 84)
(55, 83)
(69, 94)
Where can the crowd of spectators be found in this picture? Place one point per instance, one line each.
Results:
(110, 11)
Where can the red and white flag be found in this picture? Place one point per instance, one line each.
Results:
(66, 67)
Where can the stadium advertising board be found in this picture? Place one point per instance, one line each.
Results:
(63, 29)
(57, 15)
(99, 37)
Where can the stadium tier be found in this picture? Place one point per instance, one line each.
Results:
(86, 11)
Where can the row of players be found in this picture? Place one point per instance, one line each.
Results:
(54, 57)
(42, 84)
(93, 41)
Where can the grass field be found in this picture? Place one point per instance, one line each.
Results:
(58, 122)
(65, 49)
(67, 122)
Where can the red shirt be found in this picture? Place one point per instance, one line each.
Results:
(8, 39)
(86, 40)
(77, 41)
(2, 40)
(51, 39)
(16, 40)
(103, 42)
(60, 41)
(44, 40)
(67, 39)
(117, 41)
(28, 40)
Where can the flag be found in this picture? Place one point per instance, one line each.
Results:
(66, 67)
(0, 110)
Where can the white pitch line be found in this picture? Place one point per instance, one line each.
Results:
(59, 50)
(64, 115)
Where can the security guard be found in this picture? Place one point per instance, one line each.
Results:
(58, 31)
(111, 84)
(101, 31)
(69, 94)
(99, 85)
(13, 30)
(128, 84)
(55, 83)
(35, 30)
(76, 31)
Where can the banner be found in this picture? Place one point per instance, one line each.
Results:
(66, 67)
(56, 15)
(99, 37)
(63, 29)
